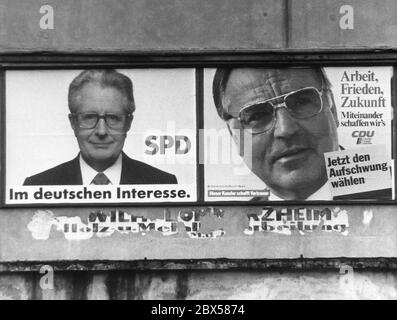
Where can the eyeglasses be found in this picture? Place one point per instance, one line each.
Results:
(89, 120)
(301, 104)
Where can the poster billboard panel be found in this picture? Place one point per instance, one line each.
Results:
(306, 133)
(65, 128)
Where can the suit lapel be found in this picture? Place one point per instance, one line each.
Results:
(73, 172)
(129, 173)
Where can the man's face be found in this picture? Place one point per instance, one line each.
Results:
(101, 145)
(289, 157)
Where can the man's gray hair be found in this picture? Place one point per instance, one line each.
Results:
(105, 78)
(221, 78)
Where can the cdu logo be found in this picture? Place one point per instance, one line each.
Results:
(363, 137)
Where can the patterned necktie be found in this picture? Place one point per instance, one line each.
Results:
(100, 178)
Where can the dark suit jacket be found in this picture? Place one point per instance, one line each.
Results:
(132, 172)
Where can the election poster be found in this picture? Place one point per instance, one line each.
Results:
(306, 133)
(100, 136)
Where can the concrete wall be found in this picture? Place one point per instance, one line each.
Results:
(188, 25)
(204, 285)
(39, 234)
(316, 24)
(142, 25)
(151, 265)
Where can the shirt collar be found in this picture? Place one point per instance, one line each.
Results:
(321, 194)
(113, 172)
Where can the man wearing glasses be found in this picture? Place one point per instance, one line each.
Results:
(291, 118)
(101, 104)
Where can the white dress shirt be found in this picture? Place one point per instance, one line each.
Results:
(113, 173)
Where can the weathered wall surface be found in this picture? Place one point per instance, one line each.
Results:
(369, 24)
(188, 25)
(202, 285)
(241, 263)
(88, 25)
(198, 233)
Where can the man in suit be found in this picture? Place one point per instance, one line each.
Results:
(101, 104)
(290, 117)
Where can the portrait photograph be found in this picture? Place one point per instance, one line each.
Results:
(303, 133)
(100, 135)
